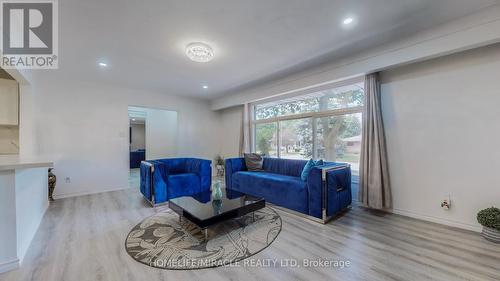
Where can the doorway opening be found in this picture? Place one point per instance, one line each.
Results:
(152, 135)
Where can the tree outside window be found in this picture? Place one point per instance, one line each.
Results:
(337, 135)
(266, 139)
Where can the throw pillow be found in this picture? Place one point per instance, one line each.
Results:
(253, 161)
(308, 167)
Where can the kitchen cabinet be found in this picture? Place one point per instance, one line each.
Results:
(9, 103)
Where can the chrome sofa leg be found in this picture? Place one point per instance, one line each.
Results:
(325, 218)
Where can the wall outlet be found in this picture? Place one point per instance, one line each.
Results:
(446, 203)
(68, 180)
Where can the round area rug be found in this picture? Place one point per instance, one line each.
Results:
(162, 241)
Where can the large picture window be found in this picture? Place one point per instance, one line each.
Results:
(321, 125)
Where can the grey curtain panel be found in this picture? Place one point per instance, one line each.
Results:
(374, 186)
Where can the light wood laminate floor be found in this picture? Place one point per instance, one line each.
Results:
(82, 238)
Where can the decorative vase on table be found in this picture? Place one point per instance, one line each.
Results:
(217, 205)
(216, 191)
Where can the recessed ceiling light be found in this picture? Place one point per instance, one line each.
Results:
(348, 21)
(205, 87)
(103, 64)
(133, 119)
(199, 52)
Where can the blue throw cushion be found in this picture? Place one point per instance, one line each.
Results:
(307, 168)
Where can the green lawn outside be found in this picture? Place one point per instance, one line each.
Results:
(351, 158)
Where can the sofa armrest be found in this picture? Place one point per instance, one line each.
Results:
(153, 184)
(203, 168)
(325, 183)
(232, 166)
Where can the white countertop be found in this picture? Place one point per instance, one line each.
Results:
(12, 162)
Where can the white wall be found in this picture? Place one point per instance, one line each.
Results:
(84, 128)
(161, 134)
(442, 123)
(138, 137)
(230, 130)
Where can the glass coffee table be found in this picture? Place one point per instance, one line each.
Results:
(204, 212)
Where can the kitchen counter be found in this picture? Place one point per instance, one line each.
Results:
(23, 202)
(12, 162)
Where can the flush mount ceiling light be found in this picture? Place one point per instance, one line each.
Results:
(205, 87)
(102, 64)
(199, 52)
(348, 21)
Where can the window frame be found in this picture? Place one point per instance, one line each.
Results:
(313, 115)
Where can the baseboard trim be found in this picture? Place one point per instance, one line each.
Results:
(8, 266)
(76, 194)
(437, 220)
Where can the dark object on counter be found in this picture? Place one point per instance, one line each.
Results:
(52, 184)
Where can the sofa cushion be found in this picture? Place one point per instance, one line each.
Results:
(287, 191)
(182, 185)
(307, 168)
(253, 161)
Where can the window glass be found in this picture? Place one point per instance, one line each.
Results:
(296, 138)
(331, 99)
(336, 133)
(287, 107)
(266, 139)
(343, 97)
(338, 139)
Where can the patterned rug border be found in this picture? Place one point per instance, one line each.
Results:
(206, 267)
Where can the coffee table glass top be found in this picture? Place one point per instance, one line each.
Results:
(202, 207)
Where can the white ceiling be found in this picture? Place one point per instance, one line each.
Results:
(143, 41)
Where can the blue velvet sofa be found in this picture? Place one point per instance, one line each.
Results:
(325, 194)
(163, 179)
(136, 157)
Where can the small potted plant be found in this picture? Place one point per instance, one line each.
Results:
(219, 162)
(490, 220)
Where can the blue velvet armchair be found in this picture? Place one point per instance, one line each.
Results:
(326, 193)
(163, 179)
